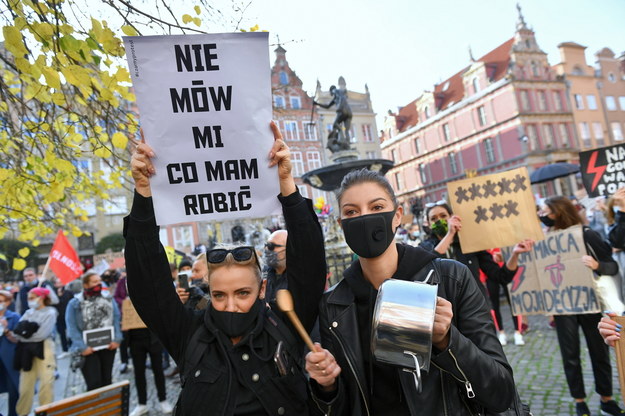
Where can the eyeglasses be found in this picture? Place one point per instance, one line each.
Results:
(271, 246)
(239, 254)
(436, 204)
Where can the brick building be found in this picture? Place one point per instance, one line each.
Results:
(504, 110)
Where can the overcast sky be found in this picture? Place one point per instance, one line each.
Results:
(402, 47)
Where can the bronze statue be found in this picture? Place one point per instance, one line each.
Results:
(338, 139)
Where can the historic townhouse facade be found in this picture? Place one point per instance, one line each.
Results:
(506, 109)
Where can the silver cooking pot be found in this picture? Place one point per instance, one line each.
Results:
(403, 320)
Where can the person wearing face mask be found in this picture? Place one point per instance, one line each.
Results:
(616, 232)
(9, 377)
(34, 354)
(467, 362)
(93, 308)
(444, 242)
(238, 356)
(559, 213)
(275, 263)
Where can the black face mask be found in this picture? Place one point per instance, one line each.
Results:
(369, 235)
(271, 258)
(236, 324)
(547, 221)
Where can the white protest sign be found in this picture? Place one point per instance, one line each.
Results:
(205, 106)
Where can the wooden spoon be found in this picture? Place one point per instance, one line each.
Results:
(285, 303)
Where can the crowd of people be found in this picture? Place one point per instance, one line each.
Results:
(234, 352)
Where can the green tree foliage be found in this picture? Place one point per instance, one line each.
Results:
(115, 242)
(66, 103)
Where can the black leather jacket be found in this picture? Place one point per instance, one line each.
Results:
(473, 364)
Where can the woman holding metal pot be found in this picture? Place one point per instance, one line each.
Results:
(467, 361)
(238, 356)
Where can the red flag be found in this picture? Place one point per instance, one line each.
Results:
(64, 259)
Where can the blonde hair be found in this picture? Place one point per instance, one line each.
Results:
(230, 261)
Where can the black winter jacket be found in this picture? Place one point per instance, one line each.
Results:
(213, 370)
(616, 234)
(474, 361)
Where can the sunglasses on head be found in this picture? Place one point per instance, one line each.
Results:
(436, 204)
(239, 254)
(271, 246)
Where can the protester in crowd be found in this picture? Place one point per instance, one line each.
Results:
(444, 242)
(494, 289)
(64, 296)
(34, 354)
(9, 377)
(30, 281)
(226, 354)
(121, 293)
(92, 310)
(616, 233)
(274, 256)
(559, 213)
(467, 363)
(413, 236)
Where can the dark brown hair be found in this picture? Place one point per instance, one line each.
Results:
(356, 177)
(565, 212)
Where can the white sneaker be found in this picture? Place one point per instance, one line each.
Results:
(166, 407)
(502, 338)
(518, 339)
(139, 410)
(63, 355)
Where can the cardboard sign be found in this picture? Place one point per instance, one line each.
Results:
(99, 338)
(205, 104)
(603, 170)
(130, 317)
(619, 346)
(497, 210)
(552, 279)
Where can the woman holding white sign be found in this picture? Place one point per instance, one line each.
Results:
(238, 356)
(559, 213)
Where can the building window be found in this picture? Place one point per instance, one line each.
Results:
(564, 135)
(314, 160)
(598, 130)
(535, 69)
(290, 130)
(183, 237)
(426, 112)
(298, 164)
(446, 134)
(616, 131)
(592, 102)
(366, 133)
(548, 130)
(117, 205)
(370, 154)
(532, 135)
(310, 131)
(476, 85)
(542, 101)
(423, 174)
(284, 78)
(481, 115)
(525, 101)
(296, 103)
(278, 101)
(162, 236)
(394, 156)
(621, 102)
(557, 100)
(579, 101)
(610, 103)
(584, 133)
(611, 77)
(417, 145)
(398, 181)
(352, 135)
(489, 149)
(453, 164)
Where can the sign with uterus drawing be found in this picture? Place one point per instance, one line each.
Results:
(551, 279)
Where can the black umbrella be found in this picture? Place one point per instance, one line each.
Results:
(553, 171)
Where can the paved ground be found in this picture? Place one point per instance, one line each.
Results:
(537, 370)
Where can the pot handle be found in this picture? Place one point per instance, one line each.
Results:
(416, 373)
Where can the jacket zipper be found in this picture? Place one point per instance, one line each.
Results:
(443, 391)
(467, 383)
(362, 393)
